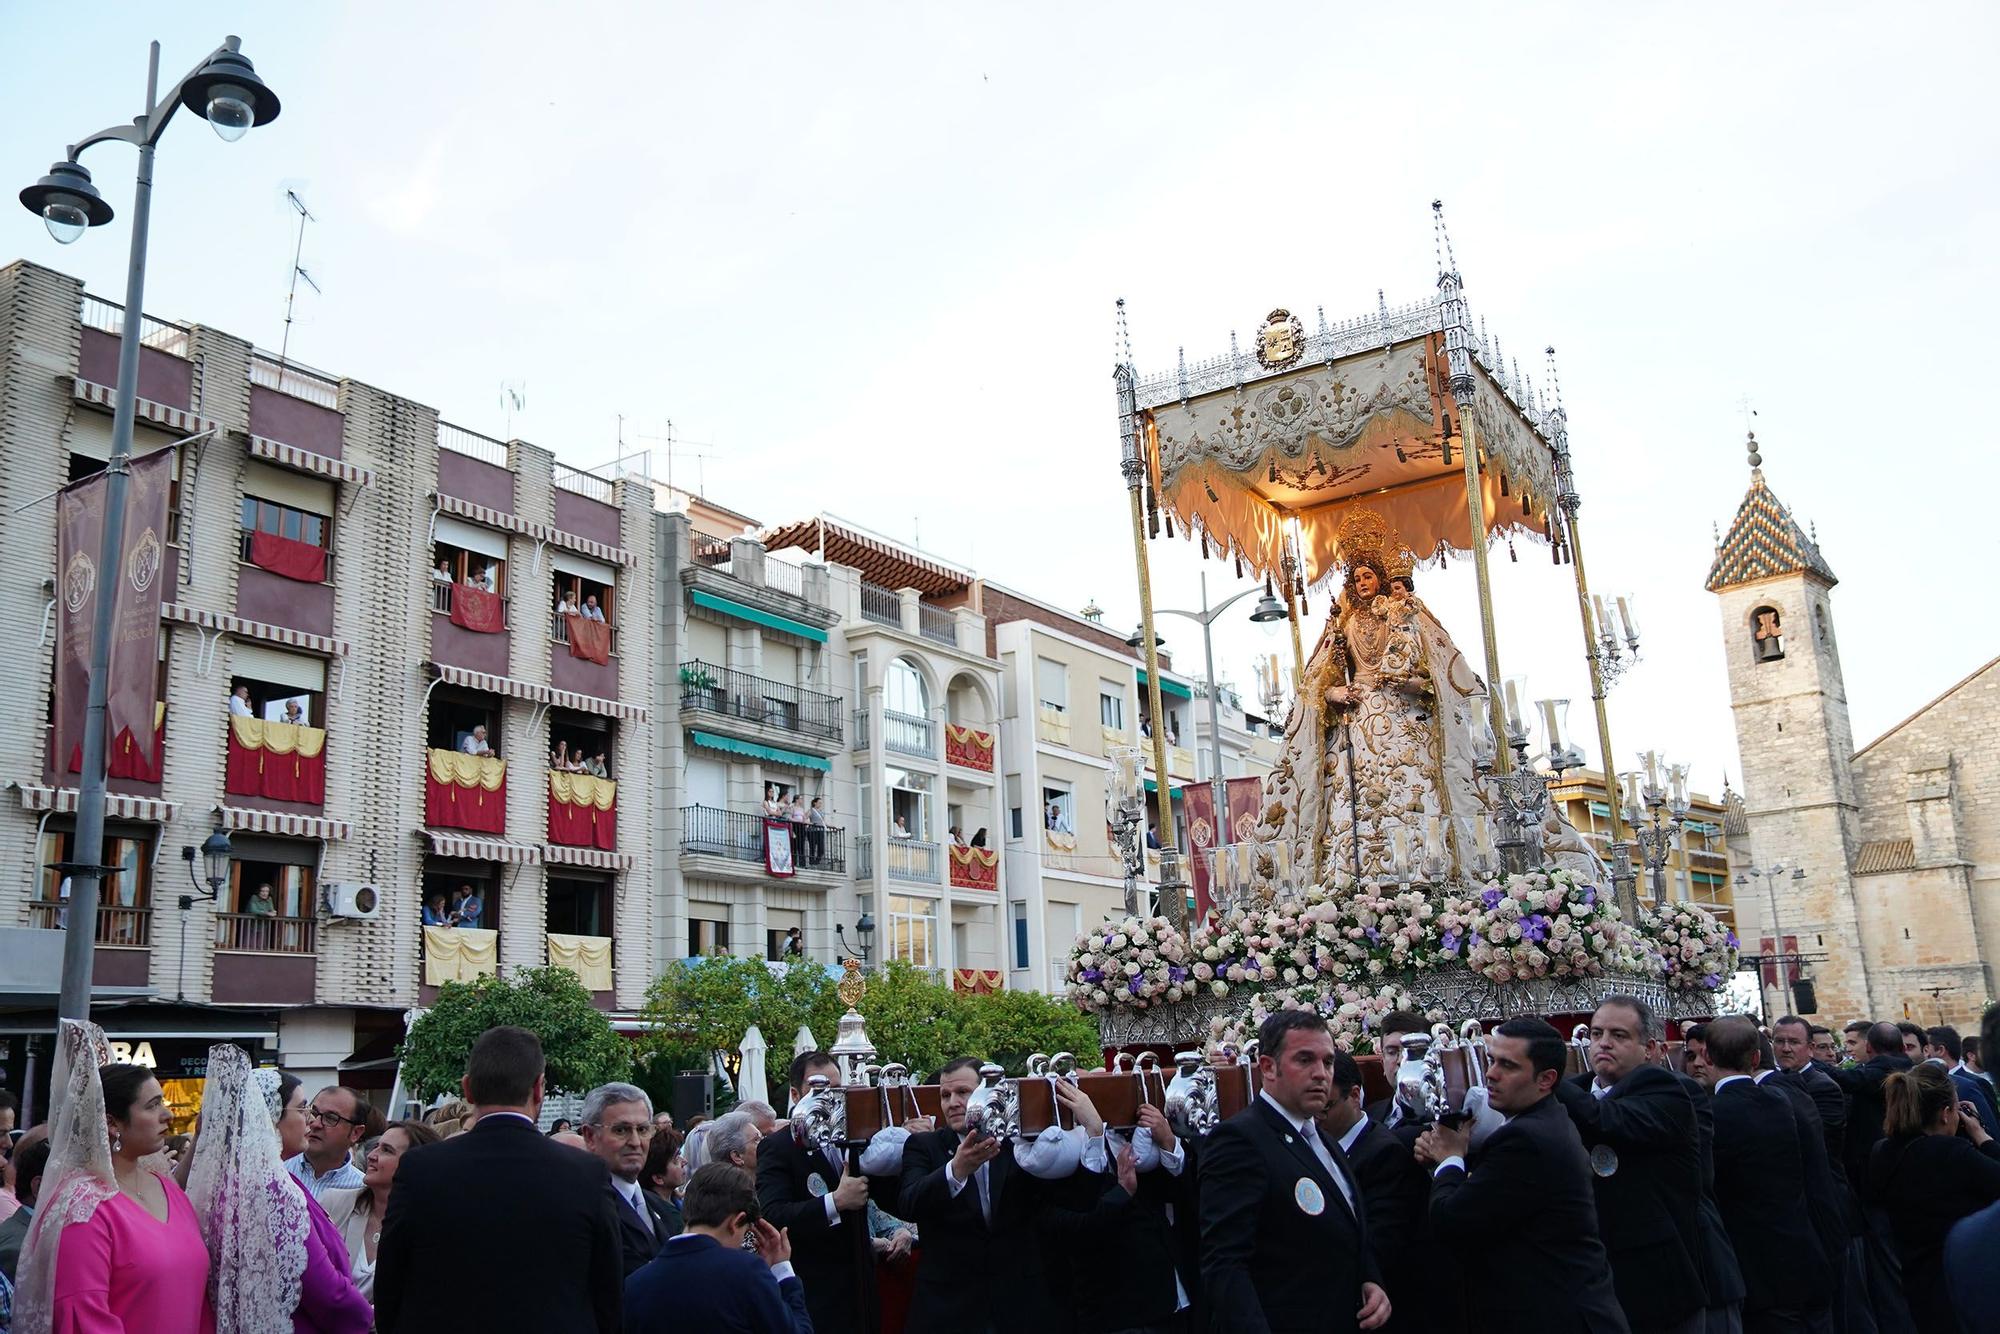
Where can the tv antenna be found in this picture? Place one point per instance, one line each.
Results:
(674, 447)
(513, 399)
(298, 250)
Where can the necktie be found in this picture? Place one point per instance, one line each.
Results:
(1311, 1132)
(638, 1206)
(981, 1178)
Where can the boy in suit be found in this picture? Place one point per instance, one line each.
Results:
(704, 1279)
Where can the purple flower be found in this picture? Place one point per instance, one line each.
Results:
(1133, 986)
(1590, 895)
(1711, 981)
(1093, 974)
(1177, 974)
(1733, 942)
(1535, 928)
(1373, 935)
(1449, 941)
(1491, 898)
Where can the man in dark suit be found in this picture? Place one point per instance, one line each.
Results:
(1284, 1243)
(1972, 1280)
(703, 1279)
(1863, 1086)
(1639, 1126)
(1396, 1025)
(1521, 1221)
(980, 1220)
(1791, 1049)
(1943, 1045)
(1721, 1278)
(499, 1200)
(808, 1192)
(1760, 1179)
(24, 1174)
(617, 1127)
(1136, 1226)
(1395, 1192)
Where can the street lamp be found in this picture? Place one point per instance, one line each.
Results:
(864, 938)
(225, 89)
(214, 854)
(1769, 875)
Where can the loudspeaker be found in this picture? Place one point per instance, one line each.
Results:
(694, 1095)
(1804, 997)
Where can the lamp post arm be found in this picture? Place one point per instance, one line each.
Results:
(144, 131)
(1208, 617)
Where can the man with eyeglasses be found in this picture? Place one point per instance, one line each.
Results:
(338, 1119)
(618, 1128)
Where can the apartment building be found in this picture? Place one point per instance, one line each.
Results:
(356, 598)
(1697, 867)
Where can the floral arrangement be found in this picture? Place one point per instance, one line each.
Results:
(1697, 952)
(1355, 1014)
(1264, 945)
(1542, 924)
(1137, 962)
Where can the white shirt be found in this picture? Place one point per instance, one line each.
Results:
(591, 613)
(1310, 1133)
(474, 746)
(1354, 1132)
(344, 1177)
(240, 708)
(1601, 1091)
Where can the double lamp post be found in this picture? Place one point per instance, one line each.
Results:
(226, 90)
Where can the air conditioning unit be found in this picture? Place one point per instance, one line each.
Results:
(360, 902)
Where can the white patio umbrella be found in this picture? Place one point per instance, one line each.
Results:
(750, 1077)
(804, 1042)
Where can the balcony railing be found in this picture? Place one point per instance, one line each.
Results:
(785, 577)
(773, 703)
(158, 334)
(261, 933)
(288, 377)
(739, 836)
(472, 444)
(115, 925)
(907, 859)
(884, 606)
(909, 735)
(937, 623)
(583, 483)
(861, 729)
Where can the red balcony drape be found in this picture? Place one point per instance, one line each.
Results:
(465, 792)
(968, 747)
(583, 811)
(276, 761)
(588, 639)
(477, 610)
(288, 557)
(126, 759)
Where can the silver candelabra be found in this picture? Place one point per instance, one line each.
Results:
(1655, 807)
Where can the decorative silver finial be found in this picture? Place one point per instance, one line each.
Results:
(1716, 528)
(1446, 261)
(1756, 459)
(1183, 374)
(1124, 348)
(1555, 381)
(1235, 359)
(1323, 331)
(1382, 305)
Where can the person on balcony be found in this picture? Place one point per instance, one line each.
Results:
(566, 604)
(901, 830)
(816, 831)
(469, 908)
(559, 759)
(979, 837)
(442, 574)
(957, 837)
(773, 808)
(591, 611)
(434, 911)
(239, 703)
(595, 766)
(262, 904)
(475, 742)
(488, 579)
(294, 715)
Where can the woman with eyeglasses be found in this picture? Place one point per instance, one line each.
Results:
(358, 1213)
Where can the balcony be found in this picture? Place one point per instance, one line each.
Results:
(755, 699)
(459, 954)
(265, 960)
(884, 606)
(583, 655)
(282, 763)
(861, 729)
(124, 938)
(1051, 725)
(465, 792)
(968, 748)
(908, 859)
(975, 868)
(1180, 763)
(583, 811)
(589, 958)
(935, 623)
(284, 581)
(166, 376)
(455, 641)
(907, 734)
(739, 837)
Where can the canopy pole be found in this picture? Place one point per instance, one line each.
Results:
(1172, 903)
(1290, 571)
(1597, 689)
(1475, 509)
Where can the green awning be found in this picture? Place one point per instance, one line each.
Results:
(1708, 878)
(1166, 687)
(1598, 808)
(755, 751)
(756, 617)
(1173, 793)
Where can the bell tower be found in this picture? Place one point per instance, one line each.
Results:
(1797, 746)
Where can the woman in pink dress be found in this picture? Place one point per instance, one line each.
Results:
(115, 1247)
(277, 1261)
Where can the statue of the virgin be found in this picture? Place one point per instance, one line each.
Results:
(1379, 776)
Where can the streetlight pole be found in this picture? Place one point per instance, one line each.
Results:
(1769, 876)
(227, 90)
(1205, 618)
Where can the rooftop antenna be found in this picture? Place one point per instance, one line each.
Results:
(298, 249)
(513, 399)
(691, 449)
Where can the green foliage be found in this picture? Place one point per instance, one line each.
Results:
(1007, 1025)
(700, 1007)
(578, 1045)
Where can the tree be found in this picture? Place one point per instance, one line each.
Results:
(1008, 1025)
(578, 1046)
(700, 1008)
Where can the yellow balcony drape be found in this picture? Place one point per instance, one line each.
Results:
(279, 738)
(582, 790)
(459, 954)
(462, 770)
(589, 957)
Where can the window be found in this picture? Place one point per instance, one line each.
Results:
(453, 565)
(707, 936)
(912, 928)
(579, 906)
(268, 516)
(1051, 684)
(1767, 637)
(1020, 934)
(82, 465)
(456, 717)
(124, 899)
(580, 593)
(470, 899)
(277, 687)
(904, 691)
(909, 805)
(1110, 706)
(266, 908)
(1058, 808)
(581, 743)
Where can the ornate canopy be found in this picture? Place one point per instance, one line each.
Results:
(1361, 414)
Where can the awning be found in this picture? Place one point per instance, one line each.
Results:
(764, 618)
(559, 854)
(178, 420)
(734, 747)
(1173, 793)
(1600, 810)
(223, 623)
(881, 560)
(1167, 686)
(540, 532)
(280, 822)
(305, 460)
(480, 849)
(535, 693)
(150, 810)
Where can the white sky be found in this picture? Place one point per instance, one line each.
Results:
(870, 254)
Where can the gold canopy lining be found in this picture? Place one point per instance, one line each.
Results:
(582, 789)
(480, 771)
(278, 738)
(1238, 464)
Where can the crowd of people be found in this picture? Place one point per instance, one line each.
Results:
(1757, 1181)
(463, 907)
(807, 819)
(579, 761)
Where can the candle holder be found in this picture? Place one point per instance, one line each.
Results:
(1616, 643)
(1125, 813)
(1656, 808)
(1519, 805)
